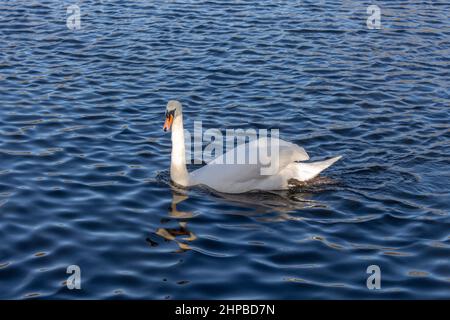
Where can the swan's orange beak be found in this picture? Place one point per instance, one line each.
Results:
(168, 122)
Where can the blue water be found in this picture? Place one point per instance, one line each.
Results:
(84, 162)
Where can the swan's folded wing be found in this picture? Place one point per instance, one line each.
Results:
(227, 168)
(292, 152)
(288, 152)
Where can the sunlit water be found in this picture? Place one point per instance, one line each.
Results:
(84, 163)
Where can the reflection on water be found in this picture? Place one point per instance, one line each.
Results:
(181, 235)
(268, 206)
(274, 206)
(280, 205)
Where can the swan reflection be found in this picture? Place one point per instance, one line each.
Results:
(274, 206)
(179, 234)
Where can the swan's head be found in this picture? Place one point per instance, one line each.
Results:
(173, 110)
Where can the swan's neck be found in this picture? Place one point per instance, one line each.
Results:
(178, 171)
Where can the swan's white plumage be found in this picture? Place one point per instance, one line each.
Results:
(237, 177)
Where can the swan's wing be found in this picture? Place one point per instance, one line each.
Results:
(228, 169)
(288, 152)
(291, 152)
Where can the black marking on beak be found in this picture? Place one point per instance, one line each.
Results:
(171, 112)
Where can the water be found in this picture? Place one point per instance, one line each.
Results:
(84, 162)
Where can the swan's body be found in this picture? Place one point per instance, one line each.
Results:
(236, 177)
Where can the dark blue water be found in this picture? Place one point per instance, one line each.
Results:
(84, 162)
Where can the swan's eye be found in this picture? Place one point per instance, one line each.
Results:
(170, 113)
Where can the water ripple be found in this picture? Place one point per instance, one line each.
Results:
(84, 165)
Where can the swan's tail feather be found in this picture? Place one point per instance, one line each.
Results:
(307, 171)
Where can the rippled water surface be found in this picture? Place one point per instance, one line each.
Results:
(84, 163)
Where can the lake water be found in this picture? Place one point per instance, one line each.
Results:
(84, 163)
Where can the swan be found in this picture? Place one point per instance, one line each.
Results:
(239, 178)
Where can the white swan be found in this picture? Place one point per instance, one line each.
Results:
(239, 178)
